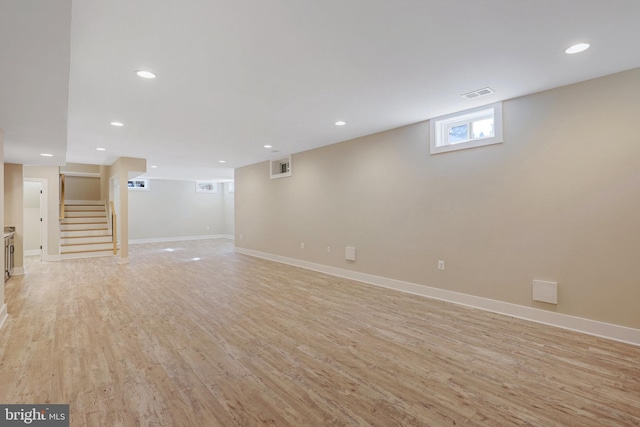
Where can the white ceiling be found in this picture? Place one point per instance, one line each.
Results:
(234, 75)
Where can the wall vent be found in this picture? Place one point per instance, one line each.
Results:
(478, 93)
(545, 291)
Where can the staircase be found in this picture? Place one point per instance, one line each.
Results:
(84, 231)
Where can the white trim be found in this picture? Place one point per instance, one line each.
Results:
(17, 271)
(146, 184)
(31, 252)
(180, 238)
(438, 129)
(564, 321)
(44, 214)
(84, 202)
(3, 314)
(200, 187)
(122, 260)
(82, 174)
(50, 258)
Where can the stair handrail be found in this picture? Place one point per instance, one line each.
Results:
(114, 224)
(61, 196)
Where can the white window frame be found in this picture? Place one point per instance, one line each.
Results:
(206, 187)
(440, 126)
(135, 188)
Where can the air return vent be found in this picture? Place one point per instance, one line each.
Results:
(478, 93)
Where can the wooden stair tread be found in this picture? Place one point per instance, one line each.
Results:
(85, 223)
(86, 229)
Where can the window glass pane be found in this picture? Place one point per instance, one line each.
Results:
(482, 129)
(458, 134)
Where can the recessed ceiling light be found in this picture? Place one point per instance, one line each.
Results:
(154, 166)
(117, 124)
(268, 146)
(340, 123)
(146, 74)
(46, 155)
(577, 48)
(101, 149)
(222, 161)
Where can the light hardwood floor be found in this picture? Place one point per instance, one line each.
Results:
(230, 340)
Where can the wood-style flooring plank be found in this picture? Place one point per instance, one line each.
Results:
(201, 336)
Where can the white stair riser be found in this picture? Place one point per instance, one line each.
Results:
(84, 231)
(68, 227)
(89, 233)
(81, 248)
(79, 240)
(74, 202)
(69, 208)
(98, 214)
(82, 220)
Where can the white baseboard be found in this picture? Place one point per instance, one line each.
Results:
(180, 238)
(50, 258)
(564, 321)
(31, 252)
(3, 314)
(18, 271)
(120, 260)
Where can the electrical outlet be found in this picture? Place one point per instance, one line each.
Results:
(328, 249)
(301, 245)
(240, 236)
(440, 265)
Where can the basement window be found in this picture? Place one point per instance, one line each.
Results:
(138, 184)
(467, 129)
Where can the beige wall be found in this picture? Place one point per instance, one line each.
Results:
(80, 168)
(50, 175)
(104, 182)
(558, 200)
(119, 173)
(82, 188)
(13, 209)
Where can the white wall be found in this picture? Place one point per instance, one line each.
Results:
(173, 209)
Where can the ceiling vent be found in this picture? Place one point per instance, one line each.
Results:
(478, 93)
